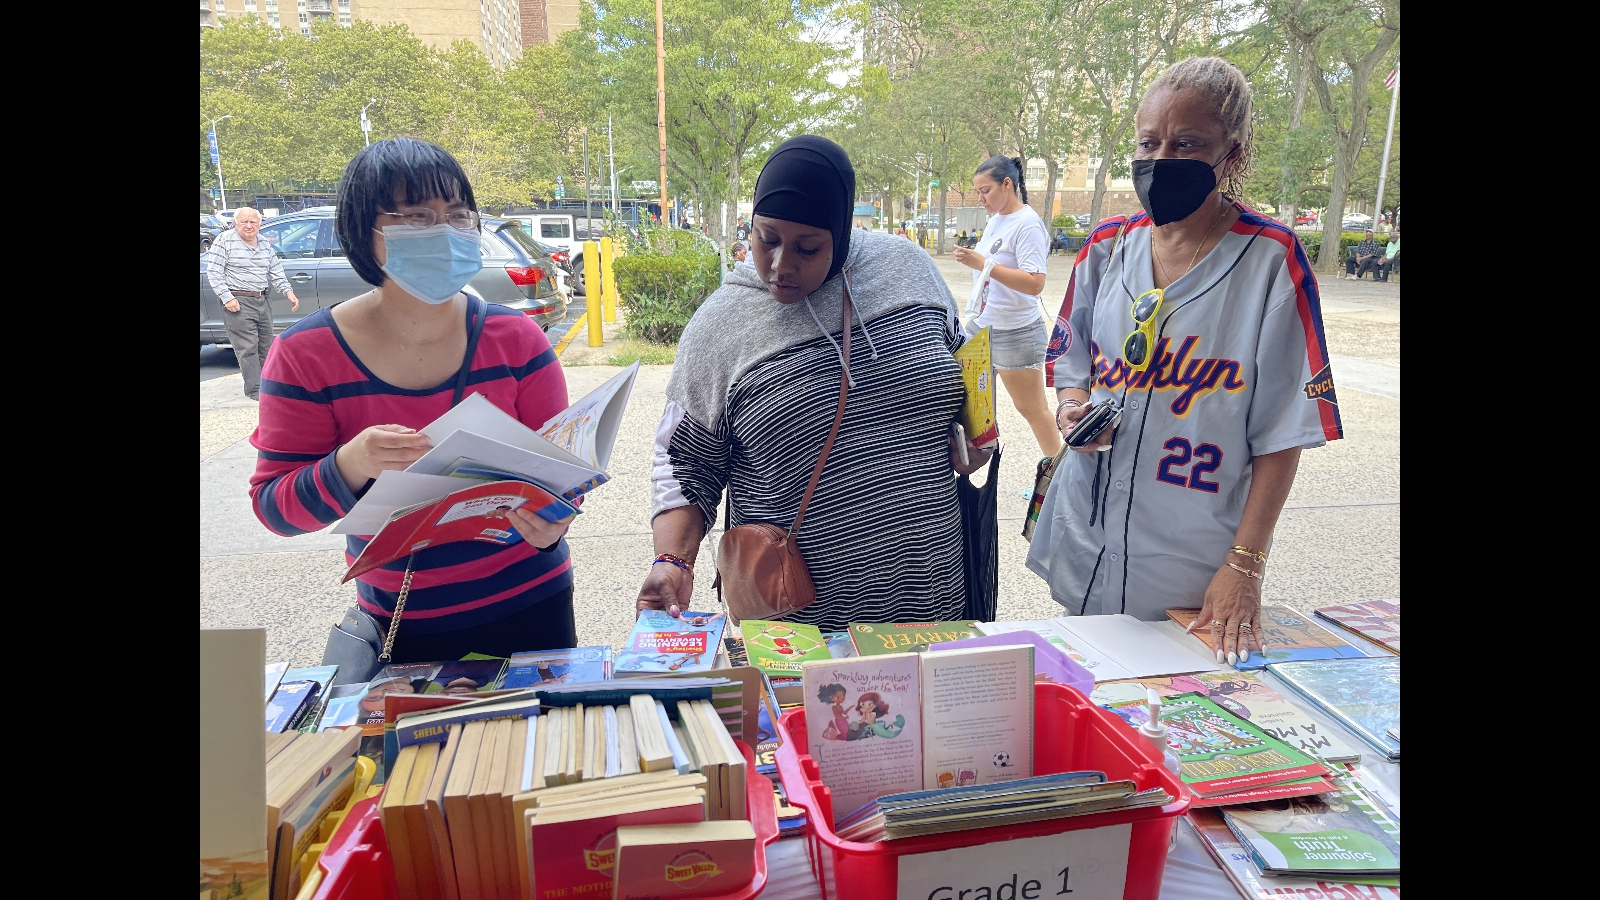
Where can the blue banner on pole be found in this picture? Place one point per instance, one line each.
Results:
(215, 157)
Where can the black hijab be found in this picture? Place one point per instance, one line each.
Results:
(809, 180)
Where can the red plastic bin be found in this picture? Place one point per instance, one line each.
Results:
(356, 863)
(1070, 734)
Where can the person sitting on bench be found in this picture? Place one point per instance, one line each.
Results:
(1365, 256)
(1391, 258)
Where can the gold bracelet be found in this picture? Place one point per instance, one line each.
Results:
(1244, 570)
(1242, 550)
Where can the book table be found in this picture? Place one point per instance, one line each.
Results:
(1191, 873)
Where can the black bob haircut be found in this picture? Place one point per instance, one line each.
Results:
(371, 182)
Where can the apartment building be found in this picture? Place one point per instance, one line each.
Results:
(545, 20)
(493, 26)
(296, 14)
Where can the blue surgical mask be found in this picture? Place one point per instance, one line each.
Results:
(431, 263)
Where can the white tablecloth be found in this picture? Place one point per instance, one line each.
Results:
(1191, 872)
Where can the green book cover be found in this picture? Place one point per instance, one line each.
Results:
(1219, 752)
(1334, 834)
(906, 637)
(778, 648)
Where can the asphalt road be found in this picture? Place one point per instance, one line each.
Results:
(1338, 538)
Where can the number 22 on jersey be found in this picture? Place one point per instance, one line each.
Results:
(1205, 458)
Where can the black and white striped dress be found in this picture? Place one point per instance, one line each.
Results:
(882, 537)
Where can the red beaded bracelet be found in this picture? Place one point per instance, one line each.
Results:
(678, 561)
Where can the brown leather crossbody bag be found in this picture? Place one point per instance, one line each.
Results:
(760, 573)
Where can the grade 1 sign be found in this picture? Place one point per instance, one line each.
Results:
(1077, 865)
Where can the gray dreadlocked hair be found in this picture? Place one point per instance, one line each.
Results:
(1222, 84)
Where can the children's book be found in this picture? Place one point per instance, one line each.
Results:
(906, 637)
(476, 513)
(839, 644)
(977, 373)
(1332, 834)
(567, 456)
(661, 643)
(342, 708)
(864, 726)
(778, 648)
(1376, 620)
(1363, 695)
(1218, 752)
(289, 703)
(1234, 858)
(977, 716)
(1245, 695)
(1285, 636)
(467, 676)
(701, 859)
(571, 666)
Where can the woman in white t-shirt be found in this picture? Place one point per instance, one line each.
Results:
(1008, 301)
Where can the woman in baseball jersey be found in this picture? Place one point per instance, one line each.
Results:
(1015, 239)
(1201, 319)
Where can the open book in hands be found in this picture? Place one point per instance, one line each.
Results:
(483, 464)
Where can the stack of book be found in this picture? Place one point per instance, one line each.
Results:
(1339, 844)
(917, 813)
(308, 777)
(1285, 636)
(497, 795)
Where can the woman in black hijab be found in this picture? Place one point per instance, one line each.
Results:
(755, 387)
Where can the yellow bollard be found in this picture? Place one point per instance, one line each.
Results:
(592, 290)
(608, 282)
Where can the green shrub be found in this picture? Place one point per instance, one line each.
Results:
(1064, 221)
(663, 280)
(627, 352)
(1313, 243)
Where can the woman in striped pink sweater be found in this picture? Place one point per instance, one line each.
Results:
(345, 390)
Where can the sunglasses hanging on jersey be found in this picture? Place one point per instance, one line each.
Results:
(1136, 348)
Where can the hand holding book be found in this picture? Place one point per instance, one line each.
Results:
(377, 449)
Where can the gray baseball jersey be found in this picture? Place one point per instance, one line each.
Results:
(1239, 370)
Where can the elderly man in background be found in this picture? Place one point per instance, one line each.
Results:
(1364, 257)
(1391, 258)
(242, 272)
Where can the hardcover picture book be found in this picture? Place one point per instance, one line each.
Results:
(570, 666)
(661, 643)
(1363, 695)
(1376, 620)
(1285, 636)
(1324, 835)
(864, 726)
(977, 373)
(906, 637)
(1245, 695)
(778, 648)
(1219, 753)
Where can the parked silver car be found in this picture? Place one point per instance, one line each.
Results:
(516, 273)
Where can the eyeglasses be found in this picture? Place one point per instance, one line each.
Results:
(1136, 349)
(424, 217)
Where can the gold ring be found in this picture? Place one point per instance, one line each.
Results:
(1216, 623)
(1244, 626)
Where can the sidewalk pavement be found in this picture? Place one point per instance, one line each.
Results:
(1338, 538)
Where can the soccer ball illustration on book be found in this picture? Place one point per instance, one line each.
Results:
(782, 639)
(1002, 760)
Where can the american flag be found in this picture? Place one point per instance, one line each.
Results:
(1392, 80)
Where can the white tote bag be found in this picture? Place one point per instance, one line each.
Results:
(975, 300)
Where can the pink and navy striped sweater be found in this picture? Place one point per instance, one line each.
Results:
(316, 396)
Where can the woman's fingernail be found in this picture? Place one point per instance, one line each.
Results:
(1245, 655)
(1219, 656)
(1233, 658)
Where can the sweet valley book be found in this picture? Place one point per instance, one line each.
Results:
(1219, 753)
(872, 639)
(1285, 636)
(567, 456)
(778, 648)
(977, 373)
(662, 643)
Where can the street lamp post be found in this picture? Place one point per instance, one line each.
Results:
(216, 160)
(366, 124)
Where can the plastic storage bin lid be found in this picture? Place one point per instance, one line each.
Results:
(1049, 663)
